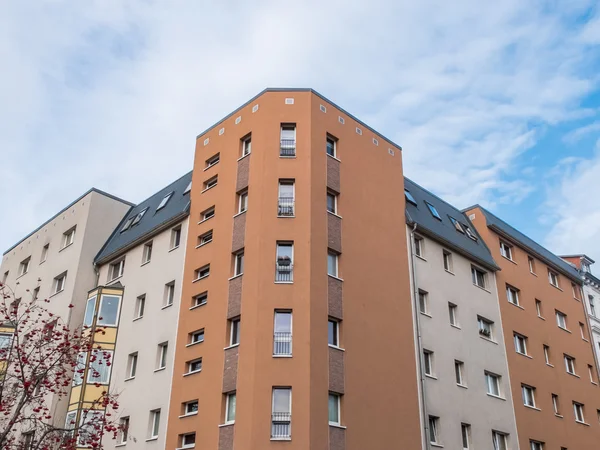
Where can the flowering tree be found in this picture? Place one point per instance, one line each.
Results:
(39, 355)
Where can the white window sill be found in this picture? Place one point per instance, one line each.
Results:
(235, 276)
(228, 424)
(524, 354)
(585, 339)
(282, 356)
(455, 326)
(129, 379)
(154, 438)
(66, 246)
(541, 317)
(208, 188)
(288, 156)
(488, 339)
(335, 214)
(187, 374)
(211, 166)
(333, 157)
(509, 259)
(560, 416)
(186, 447)
(204, 220)
(336, 347)
(244, 156)
(174, 248)
(554, 286)
(144, 263)
(194, 343)
(533, 273)
(532, 407)
(231, 346)
(433, 377)
(564, 329)
(518, 306)
(281, 439)
(574, 375)
(550, 365)
(137, 318)
(203, 244)
(56, 293)
(426, 314)
(496, 396)
(200, 278)
(189, 415)
(113, 280)
(42, 262)
(22, 275)
(240, 213)
(482, 288)
(160, 369)
(462, 386)
(435, 444)
(122, 444)
(334, 277)
(450, 272)
(582, 423)
(198, 306)
(283, 282)
(337, 425)
(594, 383)
(420, 257)
(286, 217)
(167, 306)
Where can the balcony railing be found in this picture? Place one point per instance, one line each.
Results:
(287, 147)
(281, 425)
(282, 343)
(285, 206)
(284, 271)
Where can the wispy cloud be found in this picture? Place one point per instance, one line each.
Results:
(112, 94)
(577, 134)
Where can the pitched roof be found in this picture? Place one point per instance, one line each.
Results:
(444, 230)
(502, 228)
(152, 220)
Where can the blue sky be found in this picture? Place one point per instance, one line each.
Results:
(495, 104)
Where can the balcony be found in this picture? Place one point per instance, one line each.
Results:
(285, 207)
(287, 148)
(281, 425)
(284, 270)
(282, 343)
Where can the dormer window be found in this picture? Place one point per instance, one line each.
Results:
(164, 201)
(139, 217)
(457, 225)
(127, 224)
(409, 197)
(434, 212)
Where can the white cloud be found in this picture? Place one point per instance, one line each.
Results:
(112, 94)
(577, 134)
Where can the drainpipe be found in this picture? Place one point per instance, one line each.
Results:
(417, 318)
(97, 272)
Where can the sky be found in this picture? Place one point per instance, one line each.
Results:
(496, 103)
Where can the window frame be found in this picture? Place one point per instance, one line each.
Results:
(447, 260)
(164, 201)
(147, 253)
(175, 241)
(210, 183)
(475, 276)
(93, 299)
(409, 197)
(483, 320)
(246, 145)
(520, 338)
(338, 409)
(553, 276)
(418, 244)
(243, 201)
(506, 250)
(570, 361)
(234, 331)
(45, 251)
(434, 425)
(496, 383)
(465, 432)
(563, 316)
(169, 295)
(579, 408)
(24, 266)
(336, 261)
(423, 302)
(187, 404)
(107, 368)
(433, 210)
(68, 237)
(205, 238)
(556, 405)
(336, 332)
(333, 140)
(512, 293)
(212, 161)
(162, 355)
(155, 423)
(59, 283)
(503, 443)
(132, 361)
(428, 363)
(453, 314)
(459, 373)
(228, 407)
(101, 320)
(190, 363)
(203, 295)
(528, 395)
(331, 194)
(140, 305)
(238, 263)
(117, 266)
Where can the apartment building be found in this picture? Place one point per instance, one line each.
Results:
(465, 384)
(297, 276)
(136, 305)
(591, 296)
(55, 261)
(552, 368)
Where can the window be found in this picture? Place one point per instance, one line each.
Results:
(190, 408)
(68, 237)
(499, 440)
(234, 331)
(331, 202)
(465, 431)
(281, 413)
(100, 363)
(332, 264)
(409, 197)
(26, 441)
(205, 238)
(36, 293)
(478, 276)
(196, 337)
(140, 304)
(5, 277)
(331, 146)
(45, 249)
(286, 198)
(115, 270)
(188, 440)
(528, 395)
(578, 409)
(59, 283)
(521, 344)
(288, 140)
(470, 233)
(127, 224)
(423, 302)
(176, 237)
(459, 369)
(282, 338)
(147, 254)
(108, 312)
(433, 211)
(538, 308)
(591, 373)
(485, 327)
(211, 183)
(71, 420)
(87, 427)
(246, 145)
(230, 401)
(447, 261)
(24, 266)
(161, 356)
(434, 425)
(90, 309)
(132, 360)
(212, 160)
(492, 382)
(582, 331)
(169, 294)
(188, 188)
(333, 332)
(575, 290)
(79, 368)
(284, 264)
(561, 320)
(207, 214)
(453, 314)
(553, 278)
(506, 250)
(202, 272)
(428, 362)
(531, 263)
(242, 202)
(547, 354)
(154, 423)
(592, 306)
(164, 201)
(419, 246)
(570, 364)
(513, 295)
(536, 445)
(457, 225)
(334, 409)
(200, 299)
(193, 366)
(555, 404)
(138, 218)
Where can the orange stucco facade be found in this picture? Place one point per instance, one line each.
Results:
(376, 370)
(542, 424)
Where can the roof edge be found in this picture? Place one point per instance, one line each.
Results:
(89, 191)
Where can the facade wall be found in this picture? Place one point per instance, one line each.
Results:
(149, 389)
(541, 423)
(367, 310)
(444, 398)
(591, 296)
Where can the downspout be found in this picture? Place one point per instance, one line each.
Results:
(97, 272)
(417, 319)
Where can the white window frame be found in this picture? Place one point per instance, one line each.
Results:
(334, 141)
(538, 308)
(175, 237)
(428, 363)
(204, 269)
(553, 279)
(493, 380)
(338, 408)
(59, 283)
(155, 423)
(147, 253)
(286, 182)
(536, 445)
(195, 334)
(203, 296)
(211, 183)
(475, 271)
(162, 355)
(563, 316)
(101, 320)
(164, 201)
(330, 253)
(246, 145)
(423, 301)
(556, 405)
(228, 401)
(490, 325)
(68, 237)
(118, 267)
(528, 394)
(419, 245)
(520, 341)
(169, 298)
(205, 238)
(238, 263)
(453, 314)
(208, 214)
(506, 250)
(186, 406)
(183, 438)
(140, 306)
(447, 259)
(570, 363)
(45, 250)
(335, 201)
(24, 266)
(90, 301)
(336, 329)
(243, 201)
(531, 264)
(547, 355)
(132, 361)
(288, 390)
(123, 430)
(434, 430)
(459, 375)
(106, 368)
(80, 365)
(212, 161)
(189, 364)
(512, 294)
(234, 325)
(499, 440)
(465, 432)
(578, 411)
